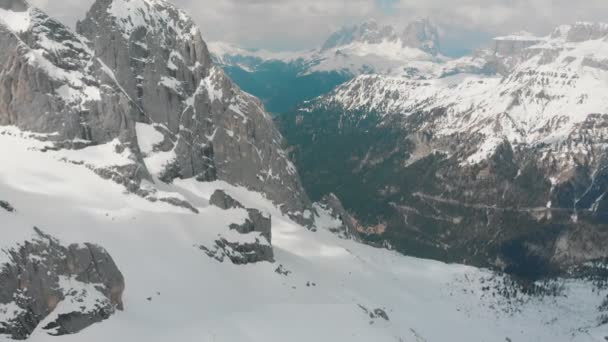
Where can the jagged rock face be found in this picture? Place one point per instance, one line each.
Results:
(65, 288)
(51, 82)
(214, 129)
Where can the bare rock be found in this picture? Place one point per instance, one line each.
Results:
(224, 201)
(42, 273)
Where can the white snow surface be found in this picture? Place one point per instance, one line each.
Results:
(196, 298)
(152, 14)
(147, 137)
(14, 20)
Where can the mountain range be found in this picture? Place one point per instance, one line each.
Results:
(501, 163)
(145, 196)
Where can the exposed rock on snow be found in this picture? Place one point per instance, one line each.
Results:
(7, 206)
(256, 222)
(224, 201)
(348, 228)
(64, 289)
(255, 243)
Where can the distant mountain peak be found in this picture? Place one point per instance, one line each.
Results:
(367, 32)
(581, 31)
(419, 34)
(422, 34)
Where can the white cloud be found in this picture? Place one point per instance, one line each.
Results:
(300, 24)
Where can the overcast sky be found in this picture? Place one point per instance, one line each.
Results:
(304, 24)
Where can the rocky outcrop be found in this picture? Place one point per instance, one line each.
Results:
(224, 201)
(253, 242)
(240, 253)
(65, 288)
(6, 206)
(333, 204)
(256, 222)
(214, 130)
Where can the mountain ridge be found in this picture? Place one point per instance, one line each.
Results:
(520, 140)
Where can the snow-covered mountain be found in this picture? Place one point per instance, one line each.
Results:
(500, 162)
(144, 196)
(550, 87)
(354, 50)
(283, 80)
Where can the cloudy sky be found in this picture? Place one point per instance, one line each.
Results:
(304, 24)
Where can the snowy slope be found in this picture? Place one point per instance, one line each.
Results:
(175, 291)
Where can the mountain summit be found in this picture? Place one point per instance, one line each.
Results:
(420, 34)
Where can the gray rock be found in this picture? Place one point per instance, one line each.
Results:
(224, 201)
(52, 83)
(348, 230)
(97, 90)
(240, 253)
(257, 222)
(34, 281)
(223, 133)
(7, 206)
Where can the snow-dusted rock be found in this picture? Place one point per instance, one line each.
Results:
(60, 290)
(211, 128)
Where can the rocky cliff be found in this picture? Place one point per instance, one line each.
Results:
(140, 79)
(212, 129)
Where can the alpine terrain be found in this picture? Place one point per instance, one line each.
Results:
(498, 159)
(145, 197)
(285, 79)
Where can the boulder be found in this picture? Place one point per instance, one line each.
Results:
(42, 273)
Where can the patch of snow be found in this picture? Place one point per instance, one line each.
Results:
(147, 137)
(15, 21)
